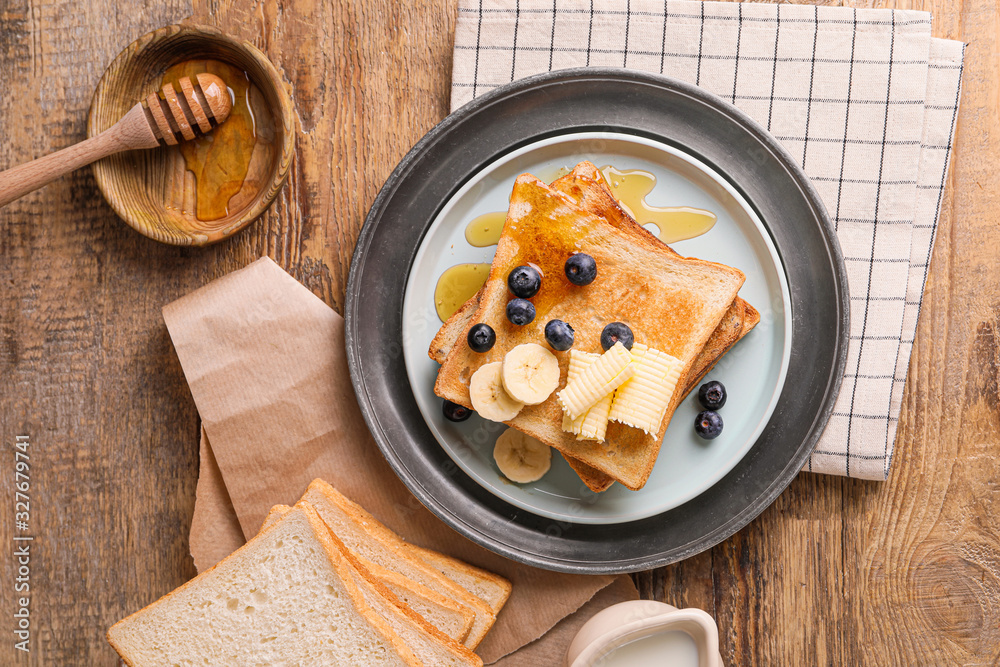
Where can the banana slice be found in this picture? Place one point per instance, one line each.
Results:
(530, 373)
(489, 398)
(642, 400)
(520, 457)
(598, 380)
(592, 424)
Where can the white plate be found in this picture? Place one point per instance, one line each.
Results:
(753, 371)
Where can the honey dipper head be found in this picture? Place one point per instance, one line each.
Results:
(217, 95)
(202, 103)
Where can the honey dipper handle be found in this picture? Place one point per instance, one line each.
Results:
(132, 131)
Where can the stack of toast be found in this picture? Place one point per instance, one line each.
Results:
(685, 307)
(323, 582)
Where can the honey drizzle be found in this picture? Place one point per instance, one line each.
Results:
(676, 223)
(485, 229)
(457, 285)
(220, 159)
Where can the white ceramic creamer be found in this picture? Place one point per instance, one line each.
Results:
(644, 633)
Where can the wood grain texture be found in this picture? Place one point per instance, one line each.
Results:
(836, 572)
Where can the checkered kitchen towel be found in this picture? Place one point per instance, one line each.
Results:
(865, 99)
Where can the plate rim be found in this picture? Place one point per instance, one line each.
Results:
(760, 227)
(830, 385)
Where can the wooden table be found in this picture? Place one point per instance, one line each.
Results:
(837, 571)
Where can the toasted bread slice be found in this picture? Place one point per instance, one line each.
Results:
(672, 304)
(288, 596)
(729, 331)
(451, 332)
(448, 616)
(367, 537)
(586, 186)
(735, 324)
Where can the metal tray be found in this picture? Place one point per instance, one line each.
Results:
(619, 101)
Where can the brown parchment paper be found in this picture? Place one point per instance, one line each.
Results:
(215, 530)
(265, 361)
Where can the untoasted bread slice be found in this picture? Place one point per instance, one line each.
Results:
(452, 619)
(273, 514)
(429, 645)
(366, 536)
(448, 616)
(489, 587)
(673, 304)
(288, 596)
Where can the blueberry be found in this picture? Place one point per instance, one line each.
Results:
(617, 332)
(455, 412)
(481, 337)
(708, 424)
(712, 395)
(581, 269)
(520, 311)
(559, 335)
(524, 281)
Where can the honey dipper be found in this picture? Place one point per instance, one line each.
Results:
(202, 103)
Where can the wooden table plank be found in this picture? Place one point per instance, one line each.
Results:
(835, 572)
(87, 370)
(925, 543)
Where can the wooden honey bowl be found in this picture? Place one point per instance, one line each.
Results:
(193, 193)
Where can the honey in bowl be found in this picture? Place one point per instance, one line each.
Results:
(226, 168)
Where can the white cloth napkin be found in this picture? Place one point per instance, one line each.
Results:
(865, 99)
